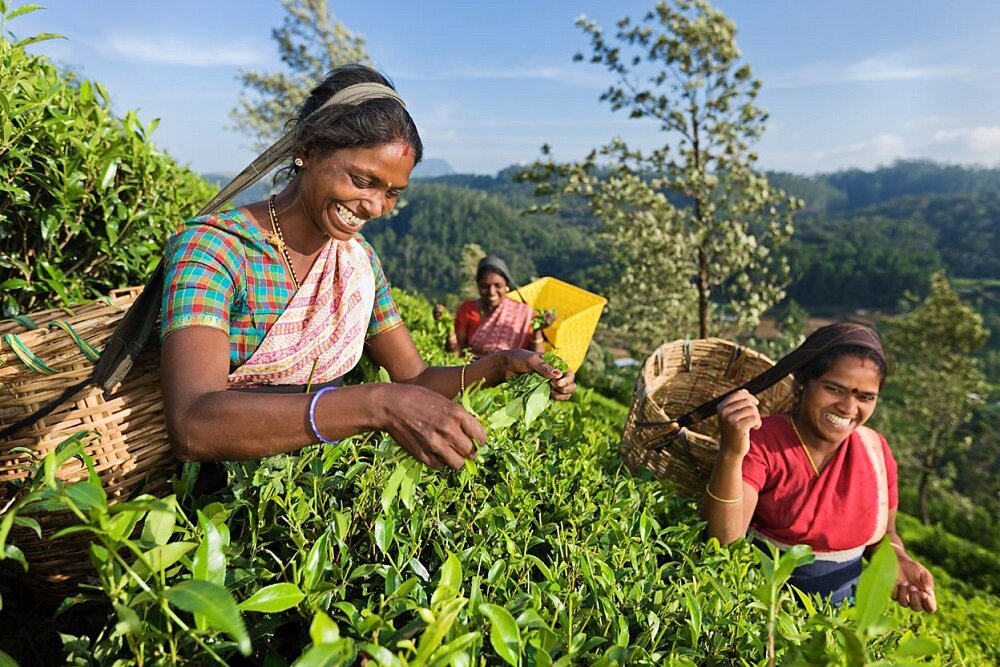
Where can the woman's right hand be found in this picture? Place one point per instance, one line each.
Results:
(434, 430)
(738, 414)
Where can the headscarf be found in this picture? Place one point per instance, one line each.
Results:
(822, 340)
(496, 265)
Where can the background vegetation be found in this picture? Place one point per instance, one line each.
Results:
(545, 550)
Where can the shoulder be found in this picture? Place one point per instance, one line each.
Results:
(775, 433)
(468, 307)
(226, 229)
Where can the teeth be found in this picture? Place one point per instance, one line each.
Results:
(348, 217)
(837, 420)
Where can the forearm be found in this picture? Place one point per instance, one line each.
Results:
(725, 505)
(447, 380)
(233, 425)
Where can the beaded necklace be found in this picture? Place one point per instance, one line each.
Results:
(804, 448)
(278, 239)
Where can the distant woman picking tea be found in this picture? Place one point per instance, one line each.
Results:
(817, 476)
(493, 322)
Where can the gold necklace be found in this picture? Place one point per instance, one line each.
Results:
(278, 239)
(803, 443)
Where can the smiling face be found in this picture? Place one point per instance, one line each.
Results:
(839, 401)
(492, 288)
(344, 190)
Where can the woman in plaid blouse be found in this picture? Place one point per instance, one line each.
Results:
(267, 306)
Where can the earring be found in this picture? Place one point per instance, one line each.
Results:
(298, 162)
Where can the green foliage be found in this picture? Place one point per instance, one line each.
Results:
(422, 247)
(311, 42)
(974, 566)
(86, 201)
(933, 347)
(541, 551)
(690, 224)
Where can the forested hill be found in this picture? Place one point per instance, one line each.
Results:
(863, 240)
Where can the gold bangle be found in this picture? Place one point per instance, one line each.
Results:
(463, 377)
(722, 500)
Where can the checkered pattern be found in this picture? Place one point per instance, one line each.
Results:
(222, 273)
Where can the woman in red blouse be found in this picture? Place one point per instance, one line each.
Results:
(817, 476)
(493, 322)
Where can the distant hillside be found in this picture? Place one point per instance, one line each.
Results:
(431, 168)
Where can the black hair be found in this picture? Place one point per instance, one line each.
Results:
(374, 122)
(822, 363)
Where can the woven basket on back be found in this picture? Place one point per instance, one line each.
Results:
(678, 377)
(128, 442)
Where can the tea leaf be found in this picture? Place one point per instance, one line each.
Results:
(274, 598)
(323, 630)
(504, 634)
(217, 606)
(875, 586)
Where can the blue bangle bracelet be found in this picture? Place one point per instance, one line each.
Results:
(312, 416)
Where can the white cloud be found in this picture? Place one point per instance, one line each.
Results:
(577, 76)
(980, 145)
(884, 67)
(173, 51)
(867, 154)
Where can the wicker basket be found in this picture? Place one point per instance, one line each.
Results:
(678, 377)
(577, 314)
(128, 443)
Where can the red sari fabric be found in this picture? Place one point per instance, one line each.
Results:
(840, 511)
(507, 328)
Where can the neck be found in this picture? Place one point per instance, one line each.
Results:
(301, 233)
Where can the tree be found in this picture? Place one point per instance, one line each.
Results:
(86, 200)
(691, 225)
(940, 379)
(311, 42)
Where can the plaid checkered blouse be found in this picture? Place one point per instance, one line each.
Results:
(221, 272)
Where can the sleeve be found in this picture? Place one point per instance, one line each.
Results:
(385, 316)
(891, 474)
(464, 323)
(755, 467)
(200, 269)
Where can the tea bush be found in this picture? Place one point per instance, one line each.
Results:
(86, 200)
(542, 551)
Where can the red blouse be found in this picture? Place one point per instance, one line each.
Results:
(835, 511)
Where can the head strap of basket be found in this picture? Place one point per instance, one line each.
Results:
(691, 378)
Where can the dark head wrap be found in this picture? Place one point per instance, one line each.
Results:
(822, 340)
(494, 264)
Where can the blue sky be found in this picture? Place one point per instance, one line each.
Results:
(850, 83)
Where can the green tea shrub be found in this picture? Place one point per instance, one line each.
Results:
(542, 551)
(86, 200)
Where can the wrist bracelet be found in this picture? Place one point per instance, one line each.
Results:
(722, 500)
(463, 378)
(312, 416)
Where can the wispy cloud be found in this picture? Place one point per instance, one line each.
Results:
(174, 51)
(884, 67)
(578, 76)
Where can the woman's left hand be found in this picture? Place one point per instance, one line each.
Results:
(524, 361)
(914, 586)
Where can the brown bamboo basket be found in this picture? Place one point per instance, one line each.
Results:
(678, 377)
(128, 441)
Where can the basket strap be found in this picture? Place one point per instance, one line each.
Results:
(819, 341)
(26, 322)
(27, 357)
(88, 350)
